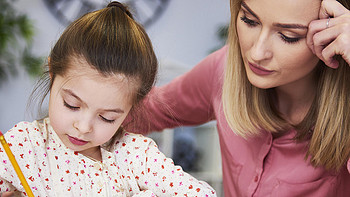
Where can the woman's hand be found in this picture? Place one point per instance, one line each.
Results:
(330, 34)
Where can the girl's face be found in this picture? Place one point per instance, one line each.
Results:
(272, 36)
(86, 109)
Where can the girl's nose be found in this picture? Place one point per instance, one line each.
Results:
(83, 125)
(261, 49)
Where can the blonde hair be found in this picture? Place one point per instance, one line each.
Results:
(249, 109)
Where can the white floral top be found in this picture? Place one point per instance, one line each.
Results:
(134, 167)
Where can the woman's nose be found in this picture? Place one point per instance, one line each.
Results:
(262, 47)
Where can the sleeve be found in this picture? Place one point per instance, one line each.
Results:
(16, 138)
(187, 100)
(145, 193)
(22, 143)
(158, 174)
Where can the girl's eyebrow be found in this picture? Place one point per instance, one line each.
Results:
(71, 93)
(281, 25)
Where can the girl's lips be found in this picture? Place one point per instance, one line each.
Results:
(259, 70)
(77, 141)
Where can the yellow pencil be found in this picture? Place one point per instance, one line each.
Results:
(15, 165)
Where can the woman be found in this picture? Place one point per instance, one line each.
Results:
(279, 93)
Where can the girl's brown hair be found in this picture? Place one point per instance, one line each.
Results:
(249, 109)
(112, 42)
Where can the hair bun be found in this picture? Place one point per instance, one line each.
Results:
(121, 6)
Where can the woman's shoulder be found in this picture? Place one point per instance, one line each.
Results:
(216, 59)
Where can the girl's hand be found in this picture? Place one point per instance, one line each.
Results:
(330, 34)
(6, 194)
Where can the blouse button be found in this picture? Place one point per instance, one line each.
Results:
(97, 166)
(256, 178)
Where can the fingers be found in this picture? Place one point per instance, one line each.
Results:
(315, 27)
(6, 194)
(331, 8)
(330, 35)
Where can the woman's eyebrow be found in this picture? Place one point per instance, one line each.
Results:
(281, 25)
(290, 26)
(249, 10)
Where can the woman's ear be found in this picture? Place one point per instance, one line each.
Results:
(49, 64)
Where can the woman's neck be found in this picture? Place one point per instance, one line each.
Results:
(295, 100)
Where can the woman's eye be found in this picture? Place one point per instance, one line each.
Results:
(249, 22)
(289, 40)
(106, 120)
(70, 106)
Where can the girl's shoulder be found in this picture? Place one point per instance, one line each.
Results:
(133, 142)
(28, 132)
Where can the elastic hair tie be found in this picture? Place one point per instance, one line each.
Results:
(121, 6)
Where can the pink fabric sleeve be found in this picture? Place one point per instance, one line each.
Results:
(187, 100)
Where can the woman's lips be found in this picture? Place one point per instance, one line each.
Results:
(259, 70)
(77, 141)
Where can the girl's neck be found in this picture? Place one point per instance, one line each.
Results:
(93, 153)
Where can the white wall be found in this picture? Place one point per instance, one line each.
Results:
(184, 35)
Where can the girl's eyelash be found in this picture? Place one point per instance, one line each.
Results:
(248, 21)
(76, 108)
(288, 39)
(69, 106)
(106, 120)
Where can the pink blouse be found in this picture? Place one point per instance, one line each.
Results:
(257, 166)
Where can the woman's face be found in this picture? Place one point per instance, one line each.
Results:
(272, 36)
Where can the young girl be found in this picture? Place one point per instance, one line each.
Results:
(280, 95)
(99, 69)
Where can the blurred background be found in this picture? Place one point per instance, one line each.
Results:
(183, 32)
